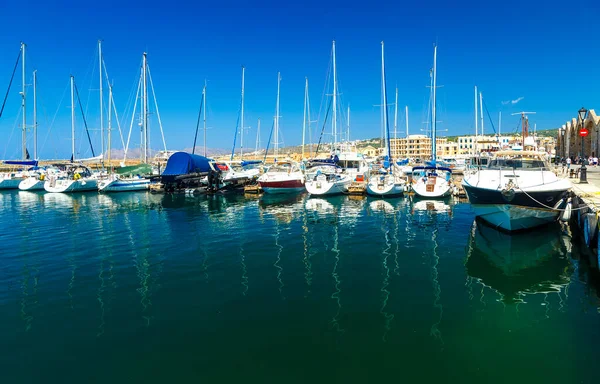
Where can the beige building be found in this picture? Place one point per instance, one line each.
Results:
(419, 147)
(370, 151)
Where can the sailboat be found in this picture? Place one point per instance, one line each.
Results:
(79, 177)
(282, 177)
(434, 181)
(118, 181)
(388, 182)
(335, 180)
(11, 180)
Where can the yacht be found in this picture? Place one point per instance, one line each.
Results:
(282, 177)
(78, 178)
(517, 190)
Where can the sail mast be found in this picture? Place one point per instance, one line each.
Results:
(276, 148)
(101, 110)
(433, 109)
(406, 113)
(72, 118)
(481, 112)
(109, 128)
(334, 119)
(242, 119)
(204, 112)
(304, 115)
(476, 122)
(35, 155)
(144, 108)
(23, 103)
(257, 138)
(385, 111)
(396, 117)
(348, 131)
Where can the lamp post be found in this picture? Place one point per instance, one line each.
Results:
(583, 133)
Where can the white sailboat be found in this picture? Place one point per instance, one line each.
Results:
(118, 182)
(388, 182)
(79, 178)
(434, 181)
(338, 180)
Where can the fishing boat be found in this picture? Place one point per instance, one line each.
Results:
(434, 181)
(517, 190)
(387, 181)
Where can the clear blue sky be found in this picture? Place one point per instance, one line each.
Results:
(542, 52)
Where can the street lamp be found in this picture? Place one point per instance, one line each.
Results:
(583, 133)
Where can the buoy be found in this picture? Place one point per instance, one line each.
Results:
(566, 215)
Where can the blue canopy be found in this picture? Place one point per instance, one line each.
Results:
(33, 163)
(402, 162)
(251, 162)
(433, 168)
(183, 163)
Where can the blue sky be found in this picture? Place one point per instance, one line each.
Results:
(540, 53)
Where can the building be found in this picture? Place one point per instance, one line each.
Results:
(419, 147)
(468, 145)
(569, 142)
(369, 151)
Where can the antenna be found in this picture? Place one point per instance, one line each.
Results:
(524, 124)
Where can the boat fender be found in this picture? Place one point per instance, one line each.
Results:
(558, 204)
(77, 176)
(566, 215)
(42, 177)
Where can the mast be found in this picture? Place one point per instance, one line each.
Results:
(242, 118)
(101, 110)
(204, 112)
(334, 119)
(499, 122)
(385, 109)
(109, 129)
(396, 118)
(481, 112)
(144, 109)
(276, 146)
(476, 122)
(23, 104)
(72, 118)
(304, 115)
(348, 131)
(35, 155)
(433, 110)
(406, 112)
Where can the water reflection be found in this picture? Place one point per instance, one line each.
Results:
(518, 264)
(284, 207)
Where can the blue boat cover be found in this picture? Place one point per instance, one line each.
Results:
(251, 162)
(33, 163)
(402, 162)
(183, 163)
(432, 168)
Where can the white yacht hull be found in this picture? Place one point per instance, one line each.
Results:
(386, 187)
(31, 184)
(68, 186)
(325, 187)
(439, 189)
(514, 217)
(123, 185)
(12, 183)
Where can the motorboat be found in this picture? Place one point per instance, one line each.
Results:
(517, 190)
(282, 177)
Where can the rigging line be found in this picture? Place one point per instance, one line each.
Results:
(325, 87)
(55, 114)
(10, 83)
(237, 124)
(198, 123)
(162, 133)
(488, 114)
(323, 129)
(12, 132)
(269, 142)
(84, 121)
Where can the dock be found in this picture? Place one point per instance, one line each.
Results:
(357, 188)
(586, 209)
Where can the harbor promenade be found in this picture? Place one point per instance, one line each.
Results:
(588, 192)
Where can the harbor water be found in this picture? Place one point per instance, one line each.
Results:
(142, 288)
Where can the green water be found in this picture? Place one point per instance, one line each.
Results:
(141, 288)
